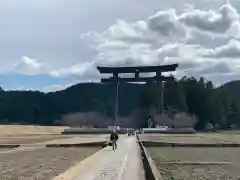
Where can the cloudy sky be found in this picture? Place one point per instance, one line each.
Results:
(50, 44)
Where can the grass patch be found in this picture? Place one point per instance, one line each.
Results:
(197, 163)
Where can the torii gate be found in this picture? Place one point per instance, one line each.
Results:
(159, 78)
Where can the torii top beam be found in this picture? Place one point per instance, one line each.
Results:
(140, 69)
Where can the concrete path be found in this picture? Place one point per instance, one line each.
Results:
(121, 164)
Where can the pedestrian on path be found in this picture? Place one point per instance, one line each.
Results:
(113, 138)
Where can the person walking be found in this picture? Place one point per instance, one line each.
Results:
(113, 138)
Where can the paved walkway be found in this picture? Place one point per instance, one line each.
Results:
(121, 164)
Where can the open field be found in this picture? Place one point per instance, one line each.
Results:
(197, 163)
(192, 138)
(30, 139)
(51, 139)
(32, 159)
(190, 163)
(13, 130)
(42, 164)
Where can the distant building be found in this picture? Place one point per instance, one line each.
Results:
(114, 128)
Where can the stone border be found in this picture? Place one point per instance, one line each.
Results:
(6, 146)
(91, 133)
(151, 171)
(87, 144)
(166, 144)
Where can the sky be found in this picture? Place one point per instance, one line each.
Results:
(49, 45)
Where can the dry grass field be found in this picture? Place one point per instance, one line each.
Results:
(192, 163)
(14, 130)
(41, 164)
(30, 139)
(32, 160)
(192, 138)
(197, 163)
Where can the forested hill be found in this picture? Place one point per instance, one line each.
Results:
(233, 88)
(199, 97)
(34, 107)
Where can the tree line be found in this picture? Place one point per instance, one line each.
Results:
(212, 106)
(198, 97)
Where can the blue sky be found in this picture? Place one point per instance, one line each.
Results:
(11, 81)
(49, 45)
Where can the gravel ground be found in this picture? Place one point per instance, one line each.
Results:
(5, 149)
(30, 139)
(206, 172)
(42, 164)
(193, 138)
(197, 163)
(227, 137)
(182, 139)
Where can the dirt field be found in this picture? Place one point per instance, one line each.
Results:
(41, 164)
(197, 163)
(13, 130)
(190, 163)
(32, 160)
(52, 139)
(30, 139)
(192, 138)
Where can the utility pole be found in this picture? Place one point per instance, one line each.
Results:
(115, 78)
(116, 106)
(162, 94)
(161, 100)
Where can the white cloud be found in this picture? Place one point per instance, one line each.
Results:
(166, 24)
(81, 71)
(135, 54)
(193, 38)
(183, 51)
(211, 21)
(215, 68)
(28, 66)
(54, 87)
(196, 34)
(230, 50)
(201, 41)
(188, 7)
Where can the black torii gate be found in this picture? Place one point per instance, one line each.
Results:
(159, 78)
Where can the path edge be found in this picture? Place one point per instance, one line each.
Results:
(151, 171)
(72, 172)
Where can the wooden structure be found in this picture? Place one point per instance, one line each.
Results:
(136, 70)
